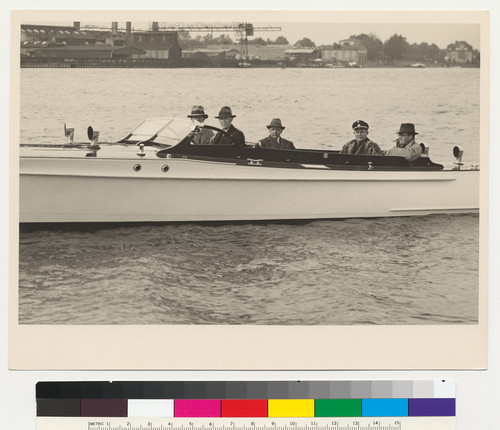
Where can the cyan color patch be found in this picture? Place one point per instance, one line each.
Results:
(384, 407)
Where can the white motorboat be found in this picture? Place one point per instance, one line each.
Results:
(157, 174)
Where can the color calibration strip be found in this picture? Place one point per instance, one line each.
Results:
(259, 399)
(282, 408)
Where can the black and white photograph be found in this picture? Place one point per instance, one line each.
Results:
(293, 172)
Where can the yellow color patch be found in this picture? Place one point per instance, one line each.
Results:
(290, 407)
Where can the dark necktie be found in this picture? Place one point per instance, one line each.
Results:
(220, 136)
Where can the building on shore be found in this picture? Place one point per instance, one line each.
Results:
(270, 52)
(347, 51)
(157, 44)
(211, 53)
(96, 52)
(301, 55)
(460, 53)
(72, 43)
(32, 33)
(103, 46)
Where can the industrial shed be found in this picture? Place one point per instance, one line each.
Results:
(90, 52)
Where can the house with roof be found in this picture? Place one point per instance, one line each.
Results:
(301, 55)
(460, 52)
(157, 44)
(346, 51)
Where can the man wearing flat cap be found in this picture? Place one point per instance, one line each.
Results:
(231, 135)
(406, 145)
(274, 140)
(361, 145)
(202, 135)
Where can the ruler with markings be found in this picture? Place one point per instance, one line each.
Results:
(153, 423)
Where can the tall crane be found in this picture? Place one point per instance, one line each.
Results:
(242, 29)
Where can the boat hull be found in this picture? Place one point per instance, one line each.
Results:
(57, 190)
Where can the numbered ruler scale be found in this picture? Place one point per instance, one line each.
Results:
(383, 423)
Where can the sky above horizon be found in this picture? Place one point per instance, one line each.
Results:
(328, 33)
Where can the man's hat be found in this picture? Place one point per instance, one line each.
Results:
(407, 128)
(225, 111)
(197, 111)
(276, 122)
(360, 124)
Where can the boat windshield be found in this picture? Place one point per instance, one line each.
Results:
(161, 130)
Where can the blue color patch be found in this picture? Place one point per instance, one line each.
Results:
(384, 407)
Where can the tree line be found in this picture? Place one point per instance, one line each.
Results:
(393, 50)
(186, 41)
(397, 48)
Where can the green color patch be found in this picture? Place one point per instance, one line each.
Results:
(337, 408)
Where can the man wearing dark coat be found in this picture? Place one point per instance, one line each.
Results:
(232, 135)
(361, 145)
(274, 140)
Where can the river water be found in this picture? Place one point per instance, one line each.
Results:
(418, 270)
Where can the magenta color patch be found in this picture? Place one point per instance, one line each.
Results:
(197, 408)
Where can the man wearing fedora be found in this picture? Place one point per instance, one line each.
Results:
(406, 145)
(274, 140)
(361, 145)
(231, 135)
(201, 136)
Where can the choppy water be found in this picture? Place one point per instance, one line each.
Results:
(419, 270)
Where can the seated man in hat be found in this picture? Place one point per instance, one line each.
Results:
(274, 140)
(231, 135)
(406, 145)
(201, 136)
(361, 145)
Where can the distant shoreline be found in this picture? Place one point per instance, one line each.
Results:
(147, 64)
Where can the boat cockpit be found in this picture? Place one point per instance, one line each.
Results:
(170, 137)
